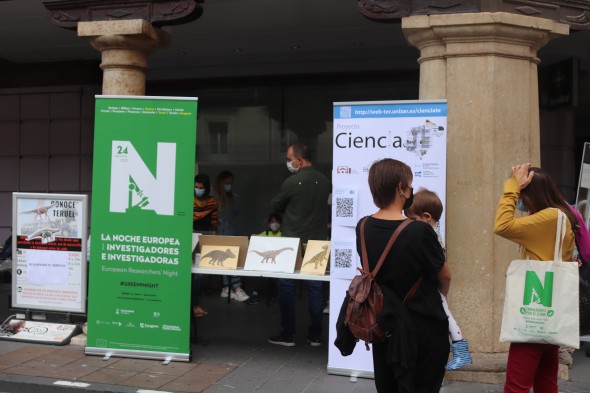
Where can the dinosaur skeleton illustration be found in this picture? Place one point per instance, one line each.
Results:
(218, 256)
(40, 211)
(270, 255)
(47, 235)
(318, 258)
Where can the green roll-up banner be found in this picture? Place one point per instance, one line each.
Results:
(141, 227)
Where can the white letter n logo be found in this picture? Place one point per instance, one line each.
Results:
(134, 186)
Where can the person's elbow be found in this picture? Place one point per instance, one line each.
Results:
(500, 228)
(444, 279)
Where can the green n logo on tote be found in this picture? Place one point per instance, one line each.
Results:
(535, 291)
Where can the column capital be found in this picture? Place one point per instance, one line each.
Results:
(137, 34)
(125, 46)
(480, 34)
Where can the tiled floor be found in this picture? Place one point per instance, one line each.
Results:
(70, 363)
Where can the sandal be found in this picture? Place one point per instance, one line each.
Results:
(198, 312)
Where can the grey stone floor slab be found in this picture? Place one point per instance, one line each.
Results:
(239, 360)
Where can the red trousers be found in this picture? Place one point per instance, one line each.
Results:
(532, 365)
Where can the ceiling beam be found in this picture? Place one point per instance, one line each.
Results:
(67, 13)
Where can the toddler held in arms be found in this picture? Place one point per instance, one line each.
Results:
(427, 207)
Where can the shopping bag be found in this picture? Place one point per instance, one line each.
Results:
(541, 302)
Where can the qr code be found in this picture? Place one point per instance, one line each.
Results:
(344, 207)
(345, 111)
(342, 257)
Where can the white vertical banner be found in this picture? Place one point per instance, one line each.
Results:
(414, 132)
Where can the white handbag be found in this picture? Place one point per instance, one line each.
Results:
(541, 301)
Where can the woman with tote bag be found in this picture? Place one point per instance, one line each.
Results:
(533, 190)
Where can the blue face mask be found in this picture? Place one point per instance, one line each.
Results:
(521, 207)
(199, 192)
(227, 187)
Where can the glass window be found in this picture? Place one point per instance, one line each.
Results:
(246, 129)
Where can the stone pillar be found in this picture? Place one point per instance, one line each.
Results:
(485, 65)
(125, 46)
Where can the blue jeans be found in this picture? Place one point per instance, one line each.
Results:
(236, 281)
(195, 289)
(315, 295)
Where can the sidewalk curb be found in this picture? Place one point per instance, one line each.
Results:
(25, 384)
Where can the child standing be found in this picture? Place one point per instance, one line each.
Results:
(427, 207)
(273, 226)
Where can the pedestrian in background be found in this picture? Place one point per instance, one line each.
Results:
(302, 199)
(414, 357)
(532, 189)
(204, 222)
(227, 225)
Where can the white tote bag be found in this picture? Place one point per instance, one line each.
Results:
(541, 301)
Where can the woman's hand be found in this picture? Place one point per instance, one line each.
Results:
(522, 174)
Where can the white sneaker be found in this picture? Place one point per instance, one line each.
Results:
(224, 292)
(240, 295)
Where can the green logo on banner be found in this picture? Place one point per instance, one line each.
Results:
(536, 292)
(139, 293)
(133, 186)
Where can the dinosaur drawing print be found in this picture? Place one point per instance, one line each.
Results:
(318, 258)
(270, 255)
(218, 256)
(47, 235)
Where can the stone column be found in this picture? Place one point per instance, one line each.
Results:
(125, 46)
(485, 65)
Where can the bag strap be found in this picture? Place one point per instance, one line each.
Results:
(392, 239)
(413, 290)
(559, 235)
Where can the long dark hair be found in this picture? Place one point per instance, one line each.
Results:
(542, 193)
(223, 197)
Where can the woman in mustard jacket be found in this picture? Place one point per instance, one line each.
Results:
(533, 365)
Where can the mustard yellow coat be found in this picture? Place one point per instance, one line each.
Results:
(534, 232)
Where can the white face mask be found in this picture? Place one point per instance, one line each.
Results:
(199, 192)
(275, 226)
(291, 168)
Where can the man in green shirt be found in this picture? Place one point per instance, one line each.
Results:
(303, 201)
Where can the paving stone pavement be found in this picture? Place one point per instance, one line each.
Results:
(232, 356)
